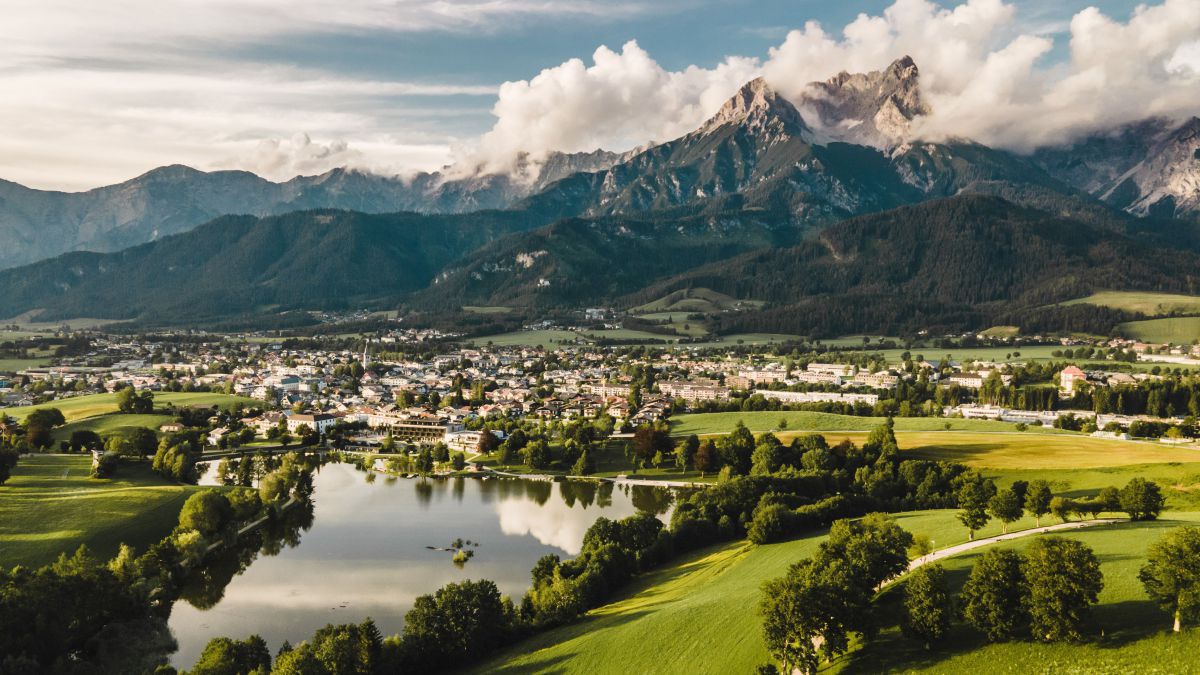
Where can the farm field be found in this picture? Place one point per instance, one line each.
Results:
(1023, 353)
(1180, 481)
(553, 338)
(694, 300)
(548, 338)
(1044, 451)
(81, 407)
(17, 365)
(1150, 304)
(52, 505)
(718, 589)
(802, 420)
(1176, 330)
(486, 310)
(741, 339)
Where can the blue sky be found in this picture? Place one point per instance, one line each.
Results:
(97, 94)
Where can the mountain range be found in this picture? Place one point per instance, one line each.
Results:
(807, 205)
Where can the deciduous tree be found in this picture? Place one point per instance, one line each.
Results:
(1064, 581)
(1171, 574)
(928, 605)
(993, 596)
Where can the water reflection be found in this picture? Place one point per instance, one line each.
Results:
(364, 554)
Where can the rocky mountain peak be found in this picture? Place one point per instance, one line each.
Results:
(875, 108)
(756, 104)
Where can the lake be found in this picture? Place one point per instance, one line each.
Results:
(364, 551)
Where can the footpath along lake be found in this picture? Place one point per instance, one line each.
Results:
(364, 551)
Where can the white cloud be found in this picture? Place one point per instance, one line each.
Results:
(1186, 60)
(623, 99)
(97, 93)
(986, 81)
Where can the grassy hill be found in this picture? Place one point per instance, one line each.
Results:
(1135, 632)
(111, 423)
(692, 300)
(81, 407)
(700, 616)
(1181, 330)
(52, 505)
(1150, 304)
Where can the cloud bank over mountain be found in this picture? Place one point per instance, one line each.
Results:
(981, 76)
(95, 95)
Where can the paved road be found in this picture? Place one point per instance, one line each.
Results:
(967, 546)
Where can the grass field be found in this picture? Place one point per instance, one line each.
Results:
(1180, 481)
(999, 354)
(700, 615)
(801, 420)
(1175, 330)
(1150, 304)
(1002, 331)
(106, 425)
(81, 407)
(17, 365)
(51, 505)
(695, 300)
(1041, 452)
(486, 310)
(551, 338)
(1134, 635)
(738, 339)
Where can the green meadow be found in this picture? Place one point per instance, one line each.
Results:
(52, 505)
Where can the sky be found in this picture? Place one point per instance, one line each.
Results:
(96, 93)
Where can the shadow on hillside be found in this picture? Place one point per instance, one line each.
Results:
(552, 664)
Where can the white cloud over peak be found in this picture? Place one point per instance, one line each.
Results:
(99, 92)
(624, 99)
(984, 73)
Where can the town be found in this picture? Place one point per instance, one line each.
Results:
(421, 388)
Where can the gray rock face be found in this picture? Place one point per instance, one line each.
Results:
(874, 109)
(1149, 167)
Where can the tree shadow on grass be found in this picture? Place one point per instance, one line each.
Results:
(552, 664)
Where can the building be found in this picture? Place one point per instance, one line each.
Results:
(607, 390)
(467, 441)
(1069, 378)
(413, 428)
(880, 380)
(318, 422)
(842, 369)
(694, 391)
(817, 397)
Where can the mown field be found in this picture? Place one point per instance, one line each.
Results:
(1176, 330)
(700, 616)
(1025, 451)
(81, 407)
(112, 423)
(1180, 481)
(17, 365)
(803, 420)
(52, 505)
(549, 338)
(1150, 304)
